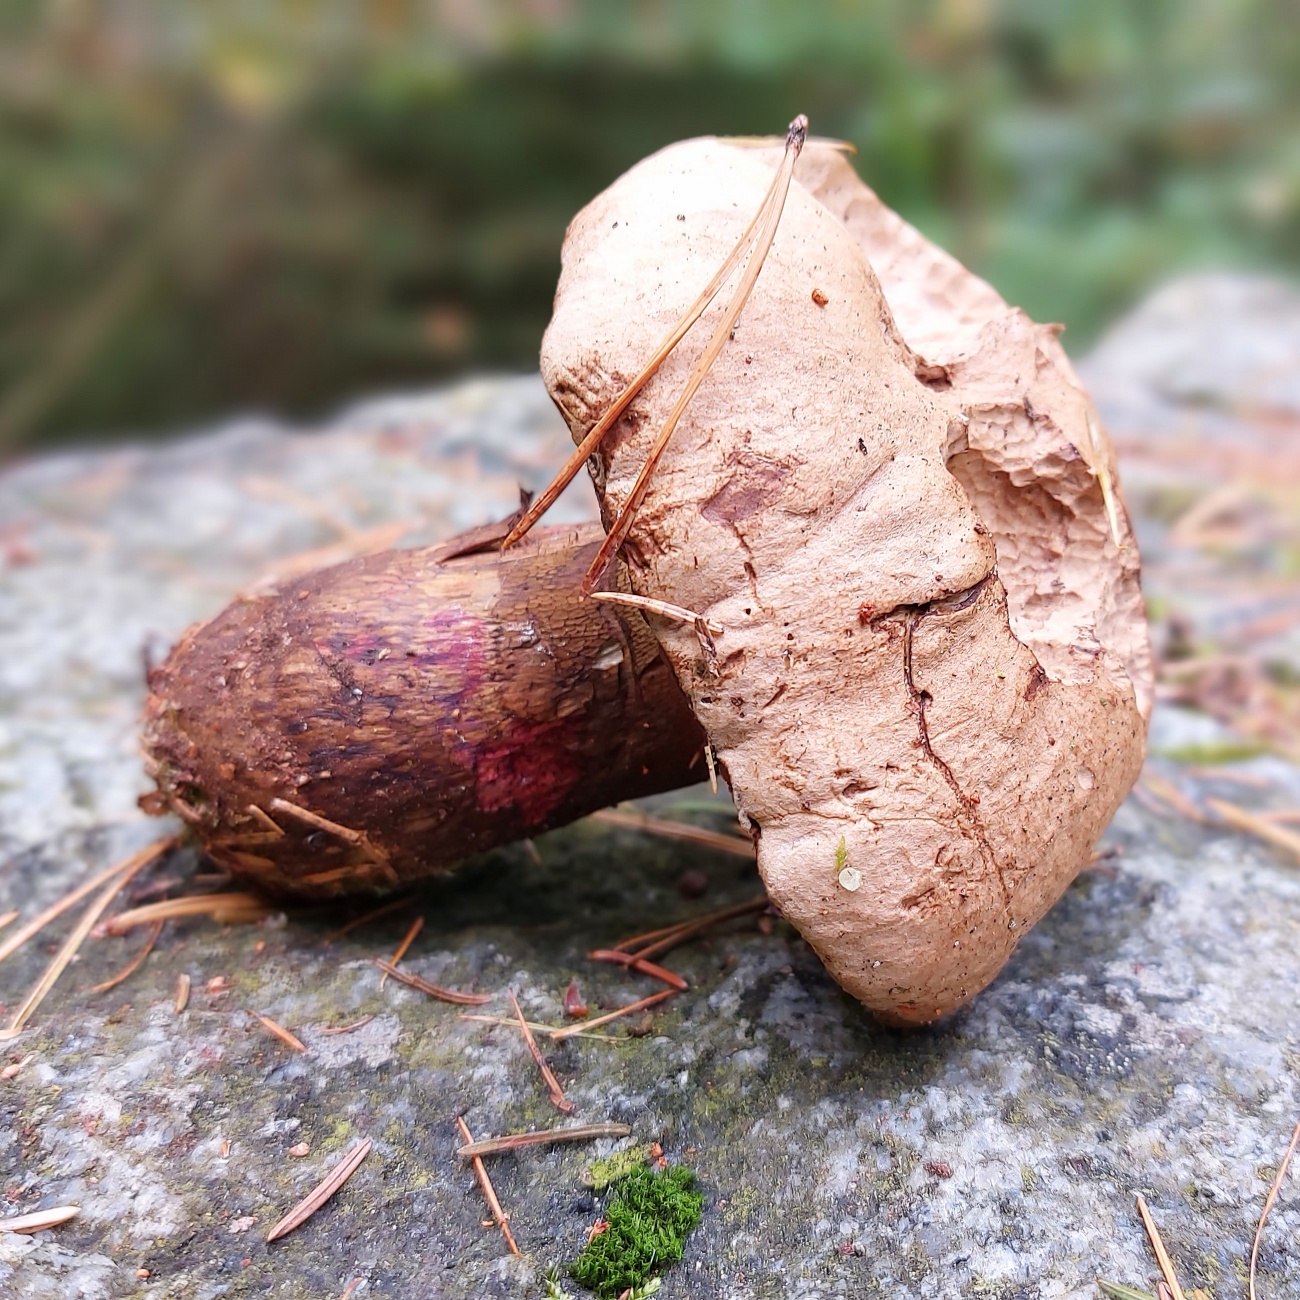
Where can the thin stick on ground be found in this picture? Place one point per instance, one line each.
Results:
(542, 1137)
(1268, 1205)
(553, 1089)
(1158, 1245)
(416, 926)
(71, 899)
(571, 1031)
(618, 531)
(585, 449)
(322, 1191)
(126, 871)
(134, 964)
(489, 1192)
(629, 819)
(433, 990)
(291, 1041)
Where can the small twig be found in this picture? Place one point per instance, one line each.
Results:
(627, 819)
(39, 1219)
(678, 612)
(322, 1191)
(291, 1041)
(346, 1029)
(618, 531)
(55, 910)
(183, 984)
(570, 1031)
(134, 964)
(433, 990)
(1158, 1245)
(1268, 1205)
(489, 1192)
(509, 1022)
(553, 1089)
(64, 956)
(229, 909)
(542, 1137)
(416, 926)
(616, 958)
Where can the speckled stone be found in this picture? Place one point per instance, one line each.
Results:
(1144, 1036)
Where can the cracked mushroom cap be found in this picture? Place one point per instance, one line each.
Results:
(933, 679)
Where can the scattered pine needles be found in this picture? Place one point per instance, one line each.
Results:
(321, 1192)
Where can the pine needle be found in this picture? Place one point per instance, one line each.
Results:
(1268, 1205)
(570, 1031)
(639, 964)
(365, 918)
(1158, 1245)
(183, 985)
(584, 450)
(1102, 471)
(416, 926)
(489, 1192)
(543, 1137)
(125, 871)
(55, 910)
(433, 990)
(622, 525)
(229, 908)
(8, 919)
(1242, 820)
(321, 1192)
(39, 1219)
(291, 1041)
(627, 819)
(553, 1089)
(134, 964)
(665, 609)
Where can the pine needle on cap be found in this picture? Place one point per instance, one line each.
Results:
(433, 990)
(1158, 1245)
(291, 1041)
(1268, 1205)
(134, 964)
(125, 871)
(71, 899)
(416, 926)
(542, 1137)
(322, 1191)
(40, 1219)
(489, 1192)
(585, 449)
(553, 1089)
(621, 526)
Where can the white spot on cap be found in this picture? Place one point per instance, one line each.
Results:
(850, 878)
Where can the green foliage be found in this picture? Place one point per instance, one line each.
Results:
(208, 208)
(601, 1173)
(649, 1215)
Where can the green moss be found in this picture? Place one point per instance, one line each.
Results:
(601, 1173)
(649, 1216)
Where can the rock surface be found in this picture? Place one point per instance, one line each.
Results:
(1142, 1038)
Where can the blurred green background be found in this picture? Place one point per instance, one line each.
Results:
(207, 208)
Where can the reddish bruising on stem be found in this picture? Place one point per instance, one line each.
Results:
(532, 769)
